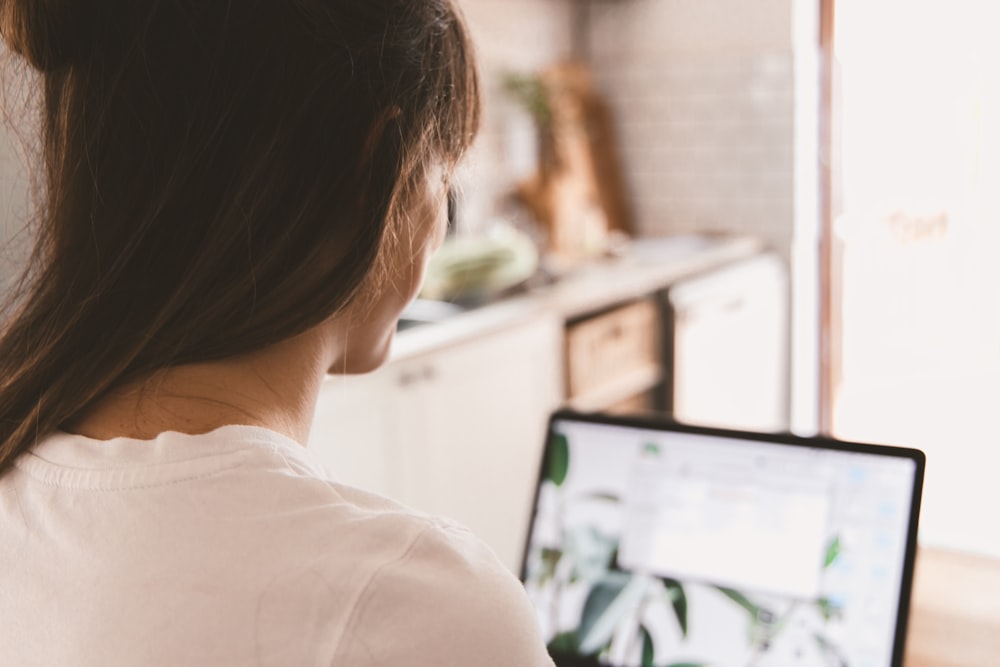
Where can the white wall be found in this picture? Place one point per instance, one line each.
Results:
(704, 95)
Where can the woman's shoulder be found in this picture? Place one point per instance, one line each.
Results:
(446, 600)
(415, 589)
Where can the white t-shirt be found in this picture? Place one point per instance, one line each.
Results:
(235, 548)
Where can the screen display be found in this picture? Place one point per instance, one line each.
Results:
(653, 547)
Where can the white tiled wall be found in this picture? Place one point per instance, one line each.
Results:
(703, 91)
(690, 26)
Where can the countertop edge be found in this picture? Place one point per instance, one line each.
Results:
(599, 286)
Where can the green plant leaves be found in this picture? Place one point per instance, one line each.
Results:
(832, 552)
(648, 657)
(647, 647)
(678, 600)
(590, 551)
(607, 604)
(599, 601)
(741, 600)
(530, 91)
(557, 465)
(828, 609)
(566, 642)
(550, 561)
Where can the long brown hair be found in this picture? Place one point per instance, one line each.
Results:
(218, 176)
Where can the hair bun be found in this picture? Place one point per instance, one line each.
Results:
(49, 34)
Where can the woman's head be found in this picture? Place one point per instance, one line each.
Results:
(219, 176)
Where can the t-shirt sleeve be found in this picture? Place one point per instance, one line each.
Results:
(446, 601)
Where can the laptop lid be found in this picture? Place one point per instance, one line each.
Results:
(654, 543)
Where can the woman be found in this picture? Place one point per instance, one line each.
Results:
(239, 197)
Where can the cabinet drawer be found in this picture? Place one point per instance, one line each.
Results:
(607, 349)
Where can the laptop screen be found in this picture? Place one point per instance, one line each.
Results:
(659, 544)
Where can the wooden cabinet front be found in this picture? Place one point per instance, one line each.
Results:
(613, 359)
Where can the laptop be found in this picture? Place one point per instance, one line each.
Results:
(658, 544)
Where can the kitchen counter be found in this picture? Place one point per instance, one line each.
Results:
(648, 266)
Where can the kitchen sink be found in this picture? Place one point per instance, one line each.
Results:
(426, 311)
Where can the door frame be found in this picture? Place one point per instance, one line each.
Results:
(830, 345)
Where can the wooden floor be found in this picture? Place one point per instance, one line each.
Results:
(955, 613)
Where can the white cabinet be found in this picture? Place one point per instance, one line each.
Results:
(730, 346)
(456, 432)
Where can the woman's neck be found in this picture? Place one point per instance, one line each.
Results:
(274, 388)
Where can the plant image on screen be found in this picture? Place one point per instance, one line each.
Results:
(601, 580)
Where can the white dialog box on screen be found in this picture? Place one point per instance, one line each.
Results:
(750, 523)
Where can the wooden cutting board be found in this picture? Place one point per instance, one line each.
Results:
(579, 194)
